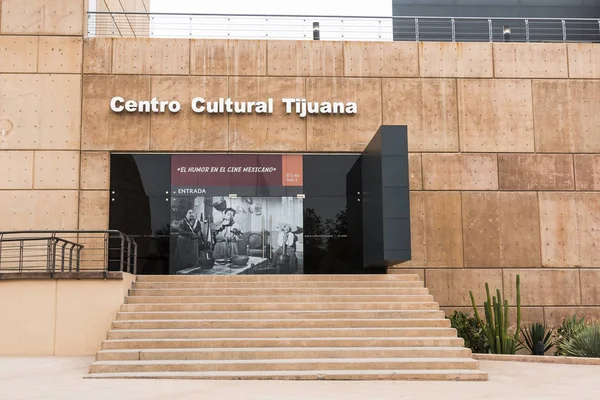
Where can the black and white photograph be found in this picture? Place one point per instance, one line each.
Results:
(218, 235)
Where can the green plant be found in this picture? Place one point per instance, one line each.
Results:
(467, 328)
(569, 328)
(538, 339)
(585, 343)
(495, 326)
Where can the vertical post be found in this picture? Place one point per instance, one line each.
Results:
(134, 258)
(62, 261)
(416, 29)
(527, 31)
(71, 258)
(491, 32)
(21, 255)
(564, 29)
(453, 30)
(316, 31)
(129, 255)
(78, 263)
(49, 255)
(122, 254)
(106, 244)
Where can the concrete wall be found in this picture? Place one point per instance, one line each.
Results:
(53, 317)
(505, 171)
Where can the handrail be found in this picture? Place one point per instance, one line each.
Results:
(19, 251)
(342, 27)
(326, 16)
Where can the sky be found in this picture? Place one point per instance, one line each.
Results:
(303, 7)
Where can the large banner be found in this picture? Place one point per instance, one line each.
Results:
(236, 214)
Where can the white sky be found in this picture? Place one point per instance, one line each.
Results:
(377, 8)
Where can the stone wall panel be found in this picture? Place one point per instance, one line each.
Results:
(456, 60)
(381, 59)
(187, 130)
(342, 132)
(536, 172)
(530, 60)
(456, 171)
(305, 58)
(18, 54)
(428, 107)
(501, 229)
(495, 115)
(566, 115)
(271, 132)
(104, 129)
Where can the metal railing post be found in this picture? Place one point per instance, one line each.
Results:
(122, 254)
(62, 261)
(128, 254)
(453, 30)
(106, 244)
(416, 29)
(71, 258)
(21, 246)
(527, 31)
(564, 30)
(134, 258)
(491, 32)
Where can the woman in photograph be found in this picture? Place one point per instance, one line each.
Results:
(227, 234)
(188, 242)
(285, 255)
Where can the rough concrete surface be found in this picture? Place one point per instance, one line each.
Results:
(61, 378)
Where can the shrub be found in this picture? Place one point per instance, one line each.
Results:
(585, 343)
(468, 329)
(569, 328)
(538, 339)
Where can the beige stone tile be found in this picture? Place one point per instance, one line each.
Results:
(530, 60)
(456, 60)
(428, 107)
(16, 169)
(455, 171)
(536, 172)
(495, 115)
(56, 170)
(501, 229)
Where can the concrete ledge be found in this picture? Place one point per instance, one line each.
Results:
(61, 275)
(537, 359)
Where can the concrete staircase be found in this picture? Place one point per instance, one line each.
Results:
(283, 327)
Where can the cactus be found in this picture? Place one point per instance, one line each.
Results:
(495, 326)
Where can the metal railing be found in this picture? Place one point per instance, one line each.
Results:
(67, 251)
(311, 27)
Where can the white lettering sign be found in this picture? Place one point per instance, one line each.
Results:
(199, 105)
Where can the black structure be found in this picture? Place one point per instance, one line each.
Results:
(545, 30)
(386, 198)
(355, 207)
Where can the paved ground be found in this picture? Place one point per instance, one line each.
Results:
(61, 378)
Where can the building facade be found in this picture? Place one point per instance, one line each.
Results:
(504, 170)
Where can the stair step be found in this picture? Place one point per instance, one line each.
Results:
(194, 343)
(311, 314)
(302, 364)
(400, 375)
(278, 278)
(405, 295)
(276, 285)
(244, 335)
(282, 353)
(277, 323)
(414, 288)
(413, 305)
